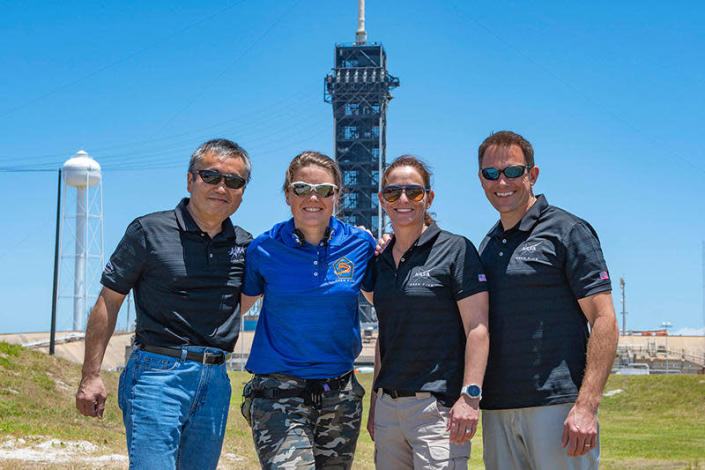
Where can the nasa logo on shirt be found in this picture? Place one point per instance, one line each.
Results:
(529, 251)
(236, 253)
(343, 268)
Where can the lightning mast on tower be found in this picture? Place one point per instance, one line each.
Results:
(359, 89)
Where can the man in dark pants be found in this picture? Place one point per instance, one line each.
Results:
(548, 281)
(186, 268)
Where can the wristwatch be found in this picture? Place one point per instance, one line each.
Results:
(474, 391)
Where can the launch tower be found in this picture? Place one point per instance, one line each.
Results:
(359, 87)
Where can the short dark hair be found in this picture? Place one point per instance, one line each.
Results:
(507, 139)
(222, 149)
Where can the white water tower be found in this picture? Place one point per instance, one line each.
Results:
(83, 173)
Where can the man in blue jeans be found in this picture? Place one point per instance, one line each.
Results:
(186, 268)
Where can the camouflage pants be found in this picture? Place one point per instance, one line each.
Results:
(290, 434)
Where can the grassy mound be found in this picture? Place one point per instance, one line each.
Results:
(655, 422)
(37, 398)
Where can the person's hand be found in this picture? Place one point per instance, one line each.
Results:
(371, 420)
(383, 242)
(579, 431)
(365, 229)
(462, 419)
(90, 397)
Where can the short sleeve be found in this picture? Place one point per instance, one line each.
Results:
(585, 265)
(467, 275)
(254, 282)
(128, 261)
(368, 281)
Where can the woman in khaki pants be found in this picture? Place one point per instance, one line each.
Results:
(429, 292)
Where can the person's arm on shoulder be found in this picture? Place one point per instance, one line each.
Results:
(368, 296)
(367, 288)
(580, 427)
(464, 415)
(253, 281)
(91, 395)
(383, 242)
(246, 302)
(367, 285)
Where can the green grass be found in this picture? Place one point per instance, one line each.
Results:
(37, 398)
(657, 422)
(8, 353)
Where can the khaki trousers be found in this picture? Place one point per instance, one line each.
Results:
(410, 433)
(530, 439)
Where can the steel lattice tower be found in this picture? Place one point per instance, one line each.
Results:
(359, 90)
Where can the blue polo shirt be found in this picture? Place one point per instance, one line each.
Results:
(309, 325)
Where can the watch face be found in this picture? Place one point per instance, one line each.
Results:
(473, 391)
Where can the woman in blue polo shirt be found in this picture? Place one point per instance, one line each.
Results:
(306, 403)
(430, 296)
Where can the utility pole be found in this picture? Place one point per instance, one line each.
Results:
(666, 325)
(624, 307)
(55, 288)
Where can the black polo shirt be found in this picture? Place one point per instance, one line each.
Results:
(421, 334)
(536, 273)
(186, 285)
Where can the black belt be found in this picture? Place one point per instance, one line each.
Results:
(204, 358)
(312, 392)
(398, 393)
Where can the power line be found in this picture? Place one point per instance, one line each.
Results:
(27, 170)
(116, 62)
(164, 158)
(262, 124)
(218, 76)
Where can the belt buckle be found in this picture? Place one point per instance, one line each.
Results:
(205, 356)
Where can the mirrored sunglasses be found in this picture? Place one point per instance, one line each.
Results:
(303, 189)
(414, 192)
(513, 171)
(215, 177)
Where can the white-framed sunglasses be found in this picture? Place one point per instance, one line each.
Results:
(303, 189)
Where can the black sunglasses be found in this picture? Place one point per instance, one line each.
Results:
(303, 189)
(414, 192)
(513, 171)
(215, 177)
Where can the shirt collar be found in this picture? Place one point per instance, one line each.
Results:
(527, 222)
(291, 238)
(427, 236)
(532, 215)
(187, 224)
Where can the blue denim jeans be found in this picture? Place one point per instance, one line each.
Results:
(174, 410)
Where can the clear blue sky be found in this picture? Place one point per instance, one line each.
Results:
(611, 94)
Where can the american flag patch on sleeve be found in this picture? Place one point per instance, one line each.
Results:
(604, 276)
(481, 278)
